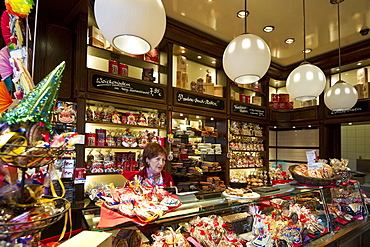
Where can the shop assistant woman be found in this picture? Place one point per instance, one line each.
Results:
(154, 159)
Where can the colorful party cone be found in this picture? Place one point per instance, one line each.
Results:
(38, 104)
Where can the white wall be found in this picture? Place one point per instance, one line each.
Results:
(355, 143)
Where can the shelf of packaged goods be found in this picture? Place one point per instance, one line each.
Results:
(124, 125)
(193, 136)
(196, 174)
(102, 173)
(113, 147)
(204, 154)
(259, 137)
(246, 151)
(246, 167)
(132, 61)
(242, 89)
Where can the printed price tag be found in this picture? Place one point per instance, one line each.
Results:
(314, 166)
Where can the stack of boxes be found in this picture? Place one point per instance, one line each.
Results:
(363, 84)
(280, 102)
(209, 166)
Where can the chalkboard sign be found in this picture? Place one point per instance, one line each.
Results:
(248, 110)
(358, 107)
(127, 87)
(196, 100)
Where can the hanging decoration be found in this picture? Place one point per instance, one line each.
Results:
(342, 96)
(132, 26)
(5, 99)
(21, 8)
(14, 56)
(247, 58)
(307, 81)
(38, 105)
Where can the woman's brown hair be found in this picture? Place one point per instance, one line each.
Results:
(151, 150)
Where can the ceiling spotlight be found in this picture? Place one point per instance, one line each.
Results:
(212, 119)
(275, 127)
(293, 127)
(197, 116)
(181, 114)
(182, 51)
(268, 29)
(185, 118)
(199, 57)
(241, 14)
(309, 126)
(289, 41)
(349, 123)
(214, 62)
(359, 63)
(308, 50)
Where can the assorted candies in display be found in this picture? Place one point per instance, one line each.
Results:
(137, 203)
(347, 203)
(109, 114)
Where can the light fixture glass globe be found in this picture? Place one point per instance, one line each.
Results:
(306, 82)
(246, 59)
(340, 97)
(132, 26)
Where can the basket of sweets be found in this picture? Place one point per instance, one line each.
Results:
(318, 177)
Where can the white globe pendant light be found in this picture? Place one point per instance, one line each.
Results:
(342, 96)
(247, 58)
(307, 81)
(132, 26)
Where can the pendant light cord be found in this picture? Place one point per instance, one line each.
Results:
(304, 30)
(245, 16)
(339, 53)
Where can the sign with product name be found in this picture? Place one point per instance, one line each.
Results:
(196, 100)
(358, 107)
(127, 87)
(248, 110)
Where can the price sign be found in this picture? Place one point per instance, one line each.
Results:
(314, 166)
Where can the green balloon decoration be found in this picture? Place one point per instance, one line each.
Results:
(38, 104)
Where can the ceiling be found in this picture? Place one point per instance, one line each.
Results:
(218, 18)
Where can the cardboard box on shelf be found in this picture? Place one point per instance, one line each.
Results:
(307, 103)
(257, 100)
(95, 33)
(97, 43)
(232, 95)
(181, 63)
(209, 88)
(218, 90)
(184, 80)
(366, 89)
(362, 76)
(360, 90)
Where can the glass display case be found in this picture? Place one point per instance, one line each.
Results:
(289, 214)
